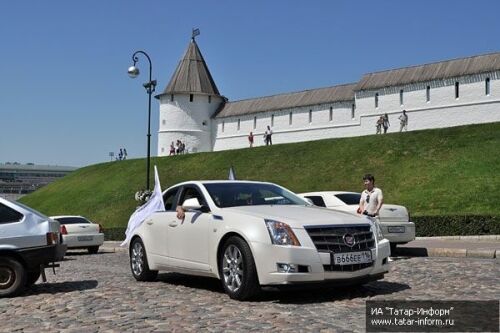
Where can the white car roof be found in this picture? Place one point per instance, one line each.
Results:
(328, 192)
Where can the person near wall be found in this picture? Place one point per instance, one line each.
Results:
(172, 149)
(380, 122)
(250, 139)
(386, 123)
(268, 136)
(403, 119)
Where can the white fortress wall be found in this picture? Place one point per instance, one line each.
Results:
(473, 105)
(187, 121)
(300, 129)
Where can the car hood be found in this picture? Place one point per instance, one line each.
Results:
(299, 216)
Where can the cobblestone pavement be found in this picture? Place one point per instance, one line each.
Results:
(97, 293)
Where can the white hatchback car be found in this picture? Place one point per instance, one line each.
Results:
(394, 219)
(251, 234)
(80, 233)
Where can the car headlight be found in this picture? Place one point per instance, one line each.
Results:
(281, 233)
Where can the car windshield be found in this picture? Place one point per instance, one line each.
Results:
(251, 194)
(72, 220)
(349, 198)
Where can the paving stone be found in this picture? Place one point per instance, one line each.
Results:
(96, 293)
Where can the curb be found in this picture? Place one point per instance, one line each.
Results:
(480, 238)
(448, 252)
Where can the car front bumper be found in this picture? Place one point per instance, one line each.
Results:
(268, 256)
(83, 240)
(398, 232)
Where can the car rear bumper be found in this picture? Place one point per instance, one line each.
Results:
(392, 231)
(83, 240)
(36, 256)
(268, 256)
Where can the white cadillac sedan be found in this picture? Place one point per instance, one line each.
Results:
(80, 233)
(394, 219)
(252, 234)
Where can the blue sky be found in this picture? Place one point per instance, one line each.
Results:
(65, 97)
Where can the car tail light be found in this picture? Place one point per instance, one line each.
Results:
(63, 230)
(52, 238)
(101, 230)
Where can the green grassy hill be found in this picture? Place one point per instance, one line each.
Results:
(433, 172)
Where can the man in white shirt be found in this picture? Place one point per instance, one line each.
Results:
(371, 198)
(403, 121)
(268, 135)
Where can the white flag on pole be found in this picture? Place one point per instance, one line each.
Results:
(154, 204)
(232, 175)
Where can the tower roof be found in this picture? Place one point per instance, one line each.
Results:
(192, 74)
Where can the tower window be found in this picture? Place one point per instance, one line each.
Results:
(254, 122)
(310, 116)
(487, 86)
(163, 122)
(331, 113)
(290, 116)
(428, 94)
(171, 97)
(191, 97)
(223, 123)
(353, 109)
(457, 90)
(272, 120)
(239, 123)
(376, 100)
(209, 99)
(401, 101)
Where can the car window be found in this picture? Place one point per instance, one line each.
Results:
(72, 220)
(349, 198)
(250, 194)
(317, 200)
(190, 192)
(9, 215)
(169, 199)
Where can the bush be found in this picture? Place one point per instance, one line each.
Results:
(114, 234)
(459, 225)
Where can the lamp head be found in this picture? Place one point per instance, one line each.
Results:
(133, 72)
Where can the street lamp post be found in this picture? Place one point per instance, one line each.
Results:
(133, 72)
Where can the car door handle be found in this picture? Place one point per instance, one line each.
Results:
(149, 222)
(173, 224)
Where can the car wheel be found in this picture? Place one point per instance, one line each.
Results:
(93, 249)
(12, 277)
(139, 262)
(237, 270)
(32, 277)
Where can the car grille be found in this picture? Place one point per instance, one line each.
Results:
(330, 239)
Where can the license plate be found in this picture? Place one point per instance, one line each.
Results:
(350, 258)
(85, 238)
(396, 230)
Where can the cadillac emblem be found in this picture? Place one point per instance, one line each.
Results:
(349, 240)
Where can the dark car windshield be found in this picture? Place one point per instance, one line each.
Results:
(72, 220)
(251, 194)
(349, 198)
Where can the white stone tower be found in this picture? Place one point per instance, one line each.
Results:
(187, 105)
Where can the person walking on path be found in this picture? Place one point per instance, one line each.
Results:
(250, 139)
(403, 121)
(124, 153)
(386, 123)
(379, 123)
(268, 136)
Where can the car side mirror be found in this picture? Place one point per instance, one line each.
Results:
(192, 204)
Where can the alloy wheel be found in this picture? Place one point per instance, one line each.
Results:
(137, 258)
(232, 268)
